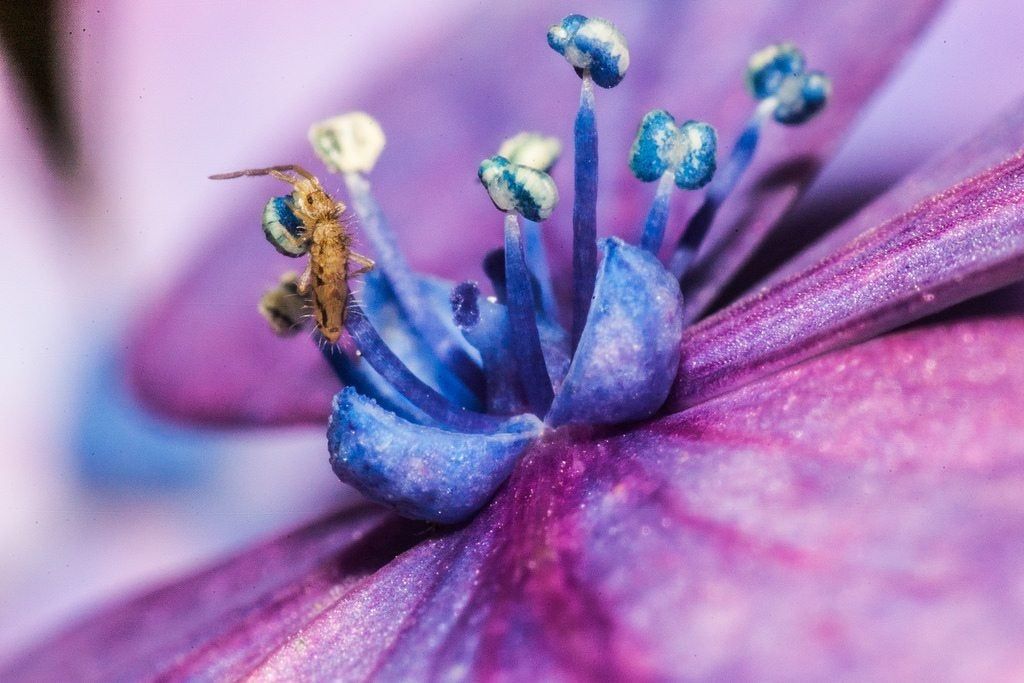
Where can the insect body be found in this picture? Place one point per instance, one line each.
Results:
(309, 221)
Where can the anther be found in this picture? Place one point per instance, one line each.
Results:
(594, 47)
(532, 149)
(680, 155)
(598, 52)
(540, 152)
(514, 187)
(349, 143)
(517, 189)
(785, 91)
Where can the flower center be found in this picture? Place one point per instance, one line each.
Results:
(444, 370)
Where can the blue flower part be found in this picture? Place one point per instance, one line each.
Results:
(282, 227)
(491, 334)
(654, 148)
(465, 301)
(532, 149)
(628, 355)
(770, 67)
(592, 46)
(422, 472)
(514, 187)
(382, 308)
(801, 97)
(698, 164)
(561, 34)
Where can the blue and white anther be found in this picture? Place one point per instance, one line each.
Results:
(593, 46)
(778, 74)
(518, 188)
(688, 150)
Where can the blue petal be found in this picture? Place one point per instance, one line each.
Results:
(628, 356)
(422, 472)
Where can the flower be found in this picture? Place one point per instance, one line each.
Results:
(801, 498)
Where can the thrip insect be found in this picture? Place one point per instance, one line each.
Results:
(309, 221)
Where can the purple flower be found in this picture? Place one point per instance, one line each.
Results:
(819, 495)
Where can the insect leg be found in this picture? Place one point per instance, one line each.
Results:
(366, 264)
(303, 283)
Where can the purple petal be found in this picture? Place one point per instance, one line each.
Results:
(203, 622)
(422, 472)
(864, 506)
(1001, 139)
(208, 327)
(628, 354)
(955, 245)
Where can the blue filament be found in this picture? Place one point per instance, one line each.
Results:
(537, 262)
(719, 189)
(486, 325)
(584, 211)
(657, 217)
(407, 291)
(385, 362)
(526, 346)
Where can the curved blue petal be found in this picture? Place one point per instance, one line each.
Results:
(422, 472)
(628, 355)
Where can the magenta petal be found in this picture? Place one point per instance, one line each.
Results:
(957, 244)
(447, 106)
(856, 517)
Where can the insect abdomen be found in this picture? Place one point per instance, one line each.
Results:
(329, 280)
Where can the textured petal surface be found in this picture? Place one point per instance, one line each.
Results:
(954, 245)
(188, 336)
(422, 472)
(855, 517)
(629, 353)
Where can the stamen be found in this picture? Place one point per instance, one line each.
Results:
(533, 194)
(385, 362)
(598, 52)
(683, 155)
(537, 262)
(351, 144)
(533, 371)
(584, 212)
(539, 152)
(776, 76)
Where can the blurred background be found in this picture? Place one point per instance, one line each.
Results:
(112, 114)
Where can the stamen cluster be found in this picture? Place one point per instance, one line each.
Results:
(450, 387)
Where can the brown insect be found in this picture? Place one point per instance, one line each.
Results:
(310, 221)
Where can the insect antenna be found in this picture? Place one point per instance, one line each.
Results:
(276, 171)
